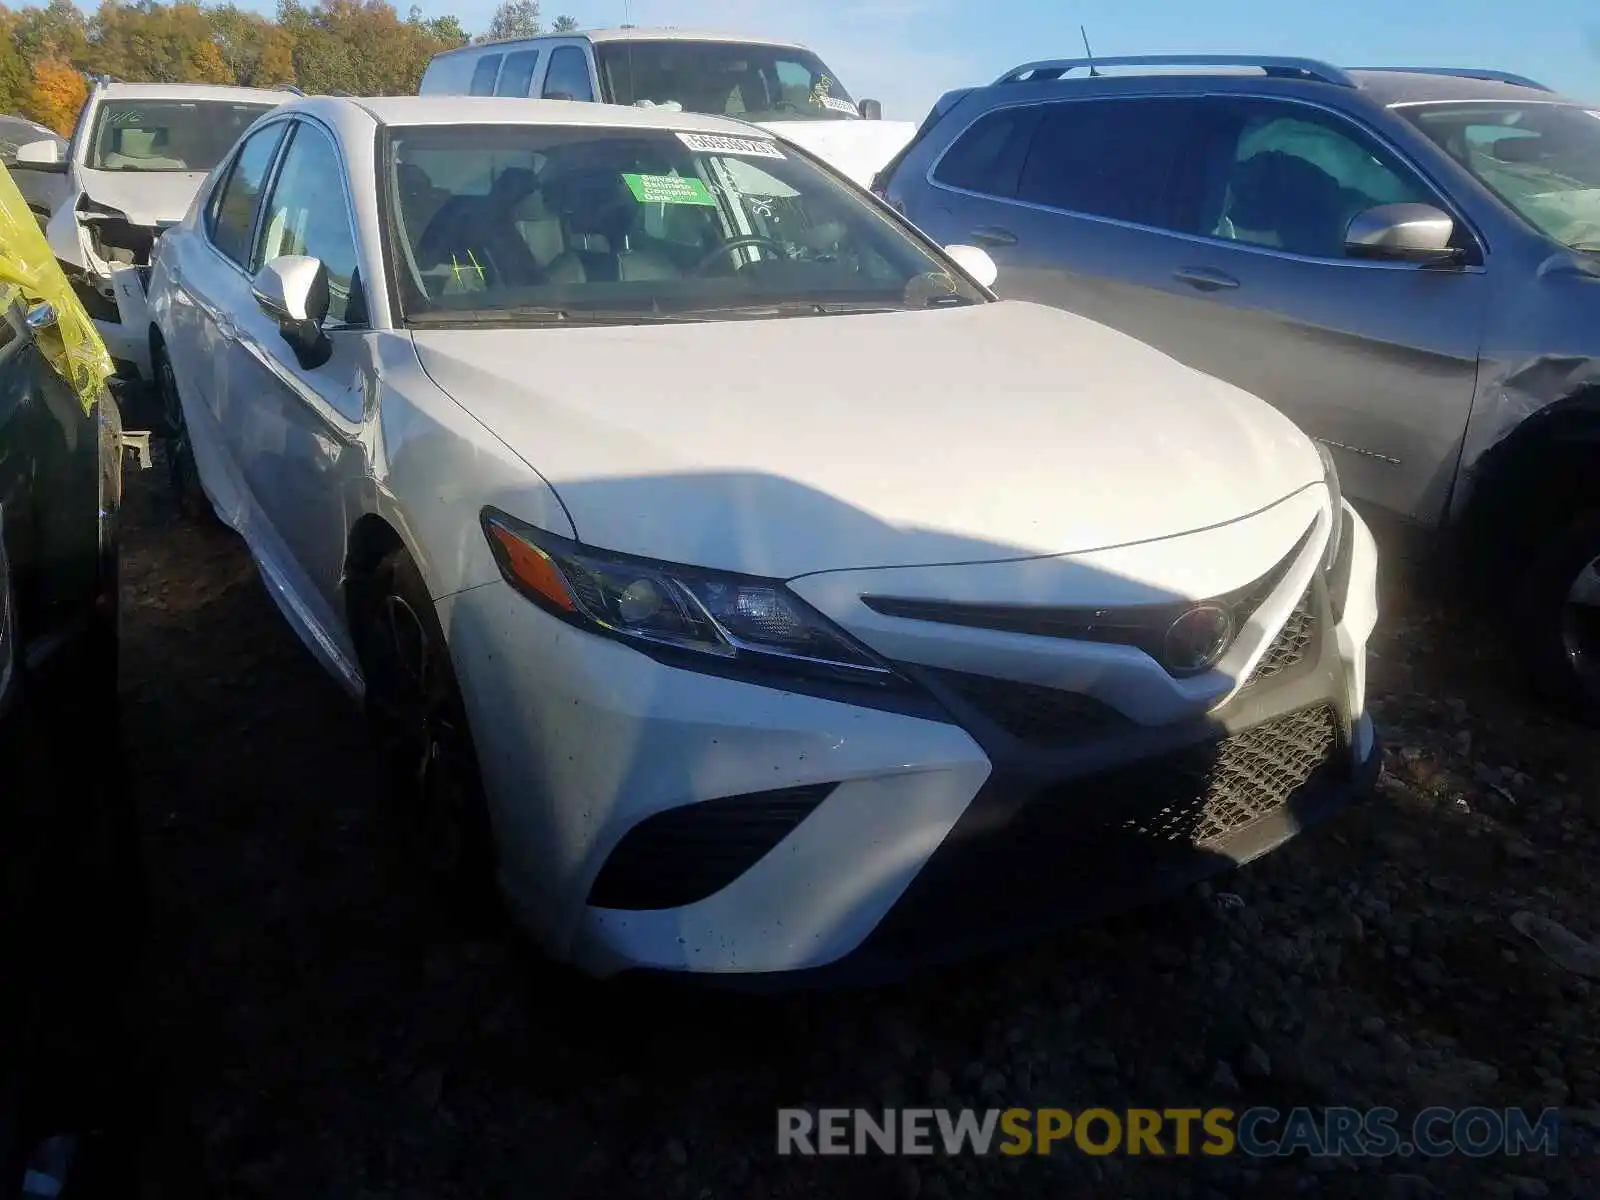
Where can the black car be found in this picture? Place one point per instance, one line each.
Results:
(68, 879)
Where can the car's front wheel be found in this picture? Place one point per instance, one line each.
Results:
(1558, 611)
(427, 762)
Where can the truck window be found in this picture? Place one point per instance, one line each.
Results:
(745, 80)
(516, 77)
(483, 75)
(568, 74)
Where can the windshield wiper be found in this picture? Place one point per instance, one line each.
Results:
(540, 315)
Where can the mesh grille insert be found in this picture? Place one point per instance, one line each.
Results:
(1033, 713)
(1289, 649)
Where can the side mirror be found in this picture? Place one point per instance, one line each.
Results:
(870, 110)
(975, 261)
(293, 291)
(42, 155)
(1417, 233)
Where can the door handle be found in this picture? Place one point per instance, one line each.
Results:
(993, 235)
(1205, 278)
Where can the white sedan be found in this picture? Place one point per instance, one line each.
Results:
(734, 580)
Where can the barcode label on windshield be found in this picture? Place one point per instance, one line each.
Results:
(711, 143)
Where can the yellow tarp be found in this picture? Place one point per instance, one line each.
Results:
(73, 346)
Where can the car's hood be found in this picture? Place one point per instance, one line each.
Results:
(149, 198)
(786, 446)
(856, 148)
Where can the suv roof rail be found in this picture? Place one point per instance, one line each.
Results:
(287, 87)
(1485, 73)
(1298, 68)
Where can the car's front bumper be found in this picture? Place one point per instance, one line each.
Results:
(856, 839)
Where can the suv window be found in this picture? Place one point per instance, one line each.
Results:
(483, 75)
(1107, 158)
(307, 214)
(231, 215)
(1288, 176)
(988, 157)
(516, 78)
(568, 74)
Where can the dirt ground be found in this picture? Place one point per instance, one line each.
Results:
(316, 1028)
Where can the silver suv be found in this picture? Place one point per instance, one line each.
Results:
(1405, 261)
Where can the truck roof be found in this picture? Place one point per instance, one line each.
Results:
(659, 33)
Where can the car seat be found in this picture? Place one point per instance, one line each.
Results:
(135, 150)
(1299, 205)
(600, 221)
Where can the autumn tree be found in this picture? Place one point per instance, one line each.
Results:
(256, 51)
(57, 93)
(161, 43)
(16, 80)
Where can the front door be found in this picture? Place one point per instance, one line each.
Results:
(293, 426)
(1377, 359)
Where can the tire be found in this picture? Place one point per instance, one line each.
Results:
(427, 764)
(1558, 616)
(183, 475)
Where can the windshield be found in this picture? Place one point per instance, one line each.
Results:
(539, 223)
(732, 79)
(167, 135)
(1541, 159)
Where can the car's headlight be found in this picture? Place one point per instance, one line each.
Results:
(735, 618)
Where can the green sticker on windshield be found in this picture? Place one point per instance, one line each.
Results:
(668, 189)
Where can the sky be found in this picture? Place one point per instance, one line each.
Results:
(905, 53)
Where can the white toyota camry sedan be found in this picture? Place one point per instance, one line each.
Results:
(737, 586)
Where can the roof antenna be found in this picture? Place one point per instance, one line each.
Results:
(1088, 53)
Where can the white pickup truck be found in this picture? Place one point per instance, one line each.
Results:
(782, 86)
(135, 162)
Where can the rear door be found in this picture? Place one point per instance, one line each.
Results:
(1070, 198)
(209, 267)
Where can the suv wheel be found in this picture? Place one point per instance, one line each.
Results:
(1558, 614)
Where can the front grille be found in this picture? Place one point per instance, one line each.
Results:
(1289, 649)
(1143, 626)
(685, 854)
(1208, 791)
(1032, 713)
(1100, 843)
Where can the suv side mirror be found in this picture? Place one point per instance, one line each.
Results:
(1417, 233)
(293, 291)
(42, 155)
(871, 110)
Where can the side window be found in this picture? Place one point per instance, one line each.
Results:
(307, 214)
(1287, 176)
(1107, 158)
(988, 157)
(483, 76)
(516, 77)
(568, 74)
(231, 213)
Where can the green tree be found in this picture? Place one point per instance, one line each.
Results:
(513, 19)
(564, 25)
(16, 79)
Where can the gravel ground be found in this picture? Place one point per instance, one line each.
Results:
(316, 1027)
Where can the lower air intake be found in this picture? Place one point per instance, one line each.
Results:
(685, 854)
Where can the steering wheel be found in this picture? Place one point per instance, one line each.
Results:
(733, 244)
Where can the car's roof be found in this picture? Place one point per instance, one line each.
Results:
(505, 110)
(195, 91)
(658, 33)
(1407, 87)
(1385, 86)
